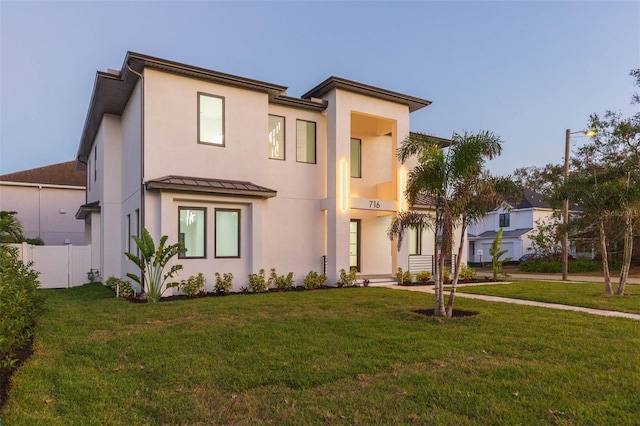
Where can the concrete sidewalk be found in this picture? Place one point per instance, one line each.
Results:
(558, 277)
(429, 289)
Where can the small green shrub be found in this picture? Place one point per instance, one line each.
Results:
(224, 283)
(446, 274)
(467, 272)
(407, 279)
(280, 282)
(349, 279)
(399, 276)
(313, 280)
(257, 282)
(20, 304)
(37, 241)
(119, 287)
(192, 285)
(423, 277)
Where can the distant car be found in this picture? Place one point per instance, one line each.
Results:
(536, 256)
(529, 256)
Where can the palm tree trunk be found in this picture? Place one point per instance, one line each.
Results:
(605, 262)
(456, 273)
(626, 256)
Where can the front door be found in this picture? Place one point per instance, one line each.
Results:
(354, 244)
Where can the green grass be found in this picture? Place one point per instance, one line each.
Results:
(588, 295)
(348, 356)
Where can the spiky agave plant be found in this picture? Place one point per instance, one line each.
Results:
(152, 262)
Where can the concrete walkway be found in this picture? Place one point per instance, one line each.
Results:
(429, 289)
(571, 277)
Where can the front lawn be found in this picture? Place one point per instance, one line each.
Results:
(588, 295)
(345, 356)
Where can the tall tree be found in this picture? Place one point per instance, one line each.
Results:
(449, 179)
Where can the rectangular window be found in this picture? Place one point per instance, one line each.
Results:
(95, 163)
(137, 230)
(210, 119)
(305, 141)
(192, 231)
(129, 233)
(415, 241)
(276, 137)
(356, 158)
(227, 233)
(504, 220)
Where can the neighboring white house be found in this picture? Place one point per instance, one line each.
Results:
(517, 220)
(245, 175)
(46, 199)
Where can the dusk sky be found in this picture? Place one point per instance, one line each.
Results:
(523, 70)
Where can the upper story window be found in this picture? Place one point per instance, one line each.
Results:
(276, 137)
(210, 119)
(504, 220)
(305, 141)
(356, 158)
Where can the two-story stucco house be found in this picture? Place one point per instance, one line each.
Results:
(517, 219)
(246, 176)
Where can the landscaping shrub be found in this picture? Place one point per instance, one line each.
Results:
(349, 279)
(192, 285)
(313, 280)
(555, 266)
(407, 279)
(125, 287)
(280, 282)
(467, 272)
(399, 275)
(446, 274)
(423, 277)
(257, 282)
(20, 304)
(224, 283)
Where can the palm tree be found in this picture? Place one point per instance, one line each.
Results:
(449, 179)
(10, 228)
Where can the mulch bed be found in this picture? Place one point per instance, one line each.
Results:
(5, 373)
(457, 313)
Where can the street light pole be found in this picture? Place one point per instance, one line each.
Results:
(565, 212)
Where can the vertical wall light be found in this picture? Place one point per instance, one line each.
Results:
(402, 199)
(343, 185)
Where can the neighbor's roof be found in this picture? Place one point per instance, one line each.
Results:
(530, 199)
(112, 90)
(55, 174)
(211, 186)
(505, 234)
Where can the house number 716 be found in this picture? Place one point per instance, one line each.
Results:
(374, 204)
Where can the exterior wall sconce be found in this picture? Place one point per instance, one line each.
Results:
(344, 188)
(402, 200)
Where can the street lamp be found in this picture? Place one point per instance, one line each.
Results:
(565, 210)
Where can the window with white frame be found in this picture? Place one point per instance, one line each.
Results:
(210, 119)
(227, 232)
(192, 231)
(276, 137)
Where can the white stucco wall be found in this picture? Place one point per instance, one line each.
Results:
(45, 211)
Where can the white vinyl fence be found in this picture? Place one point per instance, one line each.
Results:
(59, 266)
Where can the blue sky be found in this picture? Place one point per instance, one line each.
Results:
(524, 70)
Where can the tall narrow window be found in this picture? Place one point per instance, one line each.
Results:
(95, 163)
(192, 231)
(137, 230)
(276, 137)
(129, 233)
(227, 233)
(415, 241)
(210, 119)
(306, 141)
(356, 158)
(504, 220)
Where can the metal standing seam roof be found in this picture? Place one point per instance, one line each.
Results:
(211, 186)
(505, 234)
